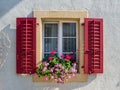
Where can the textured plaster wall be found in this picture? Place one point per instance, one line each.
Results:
(108, 9)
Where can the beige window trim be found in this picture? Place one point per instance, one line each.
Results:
(55, 16)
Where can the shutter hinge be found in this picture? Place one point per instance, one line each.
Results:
(37, 23)
(82, 66)
(83, 24)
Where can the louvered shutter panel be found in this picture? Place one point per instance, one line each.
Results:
(26, 45)
(93, 45)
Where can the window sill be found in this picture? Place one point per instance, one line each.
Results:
(76, 78)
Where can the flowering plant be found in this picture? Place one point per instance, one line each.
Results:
(57, 68)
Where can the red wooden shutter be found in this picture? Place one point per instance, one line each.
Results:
(93, 42)
(26, 45)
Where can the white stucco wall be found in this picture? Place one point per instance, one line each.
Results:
(108, 9)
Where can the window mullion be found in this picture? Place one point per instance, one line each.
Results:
(60, 39)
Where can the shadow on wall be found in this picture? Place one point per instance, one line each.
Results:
(30, 14)
(5, 34)
(4, 45)
(6, 5)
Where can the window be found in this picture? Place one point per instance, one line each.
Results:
(60, 36)
(65, 32)
(61, 20)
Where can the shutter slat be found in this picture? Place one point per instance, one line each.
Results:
(93, 45)
(26, 45)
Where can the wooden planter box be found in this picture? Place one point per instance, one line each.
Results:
(76, 78)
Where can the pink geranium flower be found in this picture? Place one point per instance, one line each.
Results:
(73, 75)
(72, 70)
(61, 73)
(57, 65)
(68, 57)
(53, 52)
(69, 76)
(60, 80)
(50, 58)
(45, 78)
(65, 78)
(62, 76)
(45, 63)
(56, 69)
(63, 56)
(62, 67)
(66, 71)
(44, 69)
(75, 70)
(52, 77)
(74, 64)
(51, 70)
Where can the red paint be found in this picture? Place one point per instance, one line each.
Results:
(26, 45)
(93, 45)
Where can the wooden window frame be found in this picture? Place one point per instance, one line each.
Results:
(67, 16)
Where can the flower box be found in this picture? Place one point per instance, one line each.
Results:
(57, 69)
(76, 78)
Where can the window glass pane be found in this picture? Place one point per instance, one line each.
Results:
(69, 29)
(50, 44)
(50, 30)
(69, 44)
